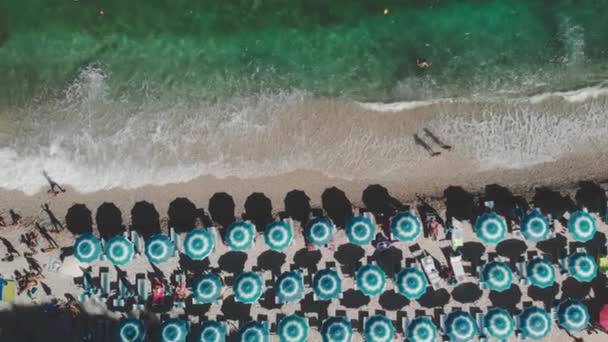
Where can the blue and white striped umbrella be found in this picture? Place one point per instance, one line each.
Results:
(582, 226)
(411, 283)
(371, 280)
(582, 267)
(293, 328)
(535, 227)
(360, 230)
(540, 272)
(289, 287)
(240, 235)
(254, 332)
(327, 284)
(336, 329)
(278, 235)
(421, 329)
(199, 243)
(248, 287)
(535, 323)
(87, 248)
(490, 228)
(499, 324)
(131, 330)
(406, 226)
(212, 331)
(497, 275)
(207, 288)
(174, 330)
(119, 250)
(159, 248)
(379, 328)
(320, 231)
(460, 326)
(573, 315)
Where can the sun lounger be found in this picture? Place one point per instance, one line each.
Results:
(479, 318)
(104, 281)
(457, 268)
(428, 264)
(175, 238)
(180, 278)
(138, 242)
(143, 288)
(123, 290)
(457, 234)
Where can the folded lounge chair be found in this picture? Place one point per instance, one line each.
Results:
(457, 268)
(104, 282)
(124, 291)
(143, 289)
(88, 286)
(180, 278)
(138, 242)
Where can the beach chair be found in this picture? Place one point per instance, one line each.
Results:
(457, 234)
(457, 268)
(402, 322)
(479, 318)
(124, 291)
(143, 289)
(180, 278)
(175, 238)
(428, 264)
(88, 287)
(104, 282)
(563, 265)
(138, 242)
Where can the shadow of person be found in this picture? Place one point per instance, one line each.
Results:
(182, 214)
(78, 219)
(221, 209)
(418, 141)
(436, 139)
(258, 209)
(297, 206)
(109, 220)
(145, 219)
(337, 206)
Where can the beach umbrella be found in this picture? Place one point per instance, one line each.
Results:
(379, 328)
(490, 228)
(535, 323)
(248, 287)
(199, 243)
(573, 315)
(159, 248)
(320, 231)
(131, 330)
(582, 226)
(240, 235)
(212, 331)
(421, 329)
(87, 248)
(582, 267)
(535, 227)
(336, 329)
(119, 250)
(207, 288)
(293, 328)
(360, 230)
(540, 272)
(497, 275)
(499, 324)
(254, 332)
(460, 326)
(603, 317)
(406, 226)
(278, 235)
(289, 287)
(327, 284)
(174, 330)
(371, 280)
(411, 283)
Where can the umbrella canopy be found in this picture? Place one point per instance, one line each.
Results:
(240, 235)
(535, 323)
(290, 287)
(540, 272)
(207, 288)
(497, 275)
(411, 283)
(248, 287)
(212, 331)
(327, 284)
(293, 328)
(379, 328)
(582, 267)
(573, 315)
(582, 226)
(603, 317)
(490, 228)
(371, 280)
(131, 330)
(320, 231)
(499, 324)
(254, 332)
(159, 248)
(278, 235)
(119, 250)
(422, 329)
(460, 326)
(336, 329)
(199, 243)
(406, 226)
(87, 248)
(174, 330)
(535, 227)
(360, 230)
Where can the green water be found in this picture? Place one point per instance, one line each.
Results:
(339, 48)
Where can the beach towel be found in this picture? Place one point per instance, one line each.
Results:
(8, 289)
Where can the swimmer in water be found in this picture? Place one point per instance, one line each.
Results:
(423, 63)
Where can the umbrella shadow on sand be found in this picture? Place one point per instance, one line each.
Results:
(232, 262)
(511, 249)
(389, 260)
(109, 220)
(182, 214)
(392, 301)
(221, 208)
(234, 310)
(337, 206)
(572, 288)
(507, 299)
(546, 295)
(348, 255)
(258, 208)
(309, 304)
(553, 247)
(307, 259)
(297, 206)
(354, 299)
(466, 293)
(269, 301)
(272, 261)
(434, 298)
(78, 219)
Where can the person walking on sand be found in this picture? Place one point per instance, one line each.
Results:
(54, 186)
(56, 223)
